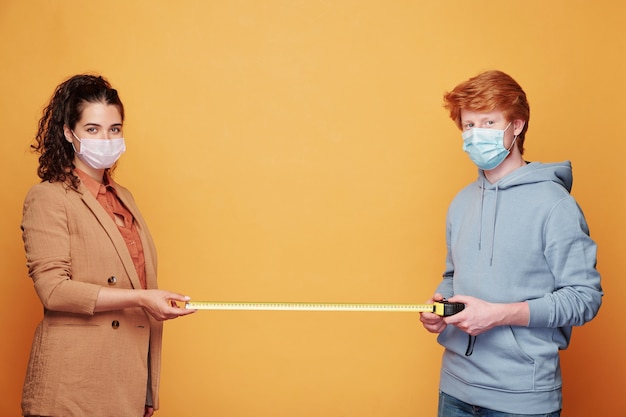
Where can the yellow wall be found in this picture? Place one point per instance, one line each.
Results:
(297, 151)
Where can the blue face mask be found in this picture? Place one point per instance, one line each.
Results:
(485, 147)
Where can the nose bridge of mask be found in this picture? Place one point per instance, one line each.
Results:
(99, 145)
(489, 132)
(479, 134)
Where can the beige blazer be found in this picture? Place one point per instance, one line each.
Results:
(84, 363)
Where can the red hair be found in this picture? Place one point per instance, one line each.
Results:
(489, 91)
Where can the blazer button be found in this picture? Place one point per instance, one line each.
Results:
(112, 280)
(115, 324)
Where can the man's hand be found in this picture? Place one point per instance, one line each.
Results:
(431, 321)
(480, 316)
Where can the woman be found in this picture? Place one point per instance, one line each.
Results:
(519, 257)
(97, 350)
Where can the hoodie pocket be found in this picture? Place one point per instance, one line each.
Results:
(497, 362)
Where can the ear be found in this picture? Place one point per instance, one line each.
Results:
(518, 126)
(69, 136)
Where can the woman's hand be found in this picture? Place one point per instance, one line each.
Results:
(163, 305)
(160, 304)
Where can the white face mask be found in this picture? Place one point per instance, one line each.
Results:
(100, 153)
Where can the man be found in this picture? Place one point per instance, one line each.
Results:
(519, 256)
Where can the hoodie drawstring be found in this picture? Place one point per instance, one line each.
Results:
(480, 226)
(493, 231)
(480, 223)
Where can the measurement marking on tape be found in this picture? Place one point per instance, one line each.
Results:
(441, 308)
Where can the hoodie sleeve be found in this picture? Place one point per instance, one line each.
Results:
(571, 255)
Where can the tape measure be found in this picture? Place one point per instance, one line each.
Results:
(442, 308)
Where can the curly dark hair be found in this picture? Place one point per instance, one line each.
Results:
(65, 109)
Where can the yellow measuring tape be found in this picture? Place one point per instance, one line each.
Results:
(443, 308)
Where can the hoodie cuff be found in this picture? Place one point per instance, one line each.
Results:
(539, 312)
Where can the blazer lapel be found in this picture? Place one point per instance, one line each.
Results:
(114, 234)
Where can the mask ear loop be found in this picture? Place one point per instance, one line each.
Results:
(74, 146)
(513, 143)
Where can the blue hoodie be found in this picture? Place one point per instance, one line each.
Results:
(523, 238)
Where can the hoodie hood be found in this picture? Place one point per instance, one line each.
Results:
(531, 173)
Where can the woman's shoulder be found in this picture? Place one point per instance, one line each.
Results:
(49, 190)
(49, 187)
